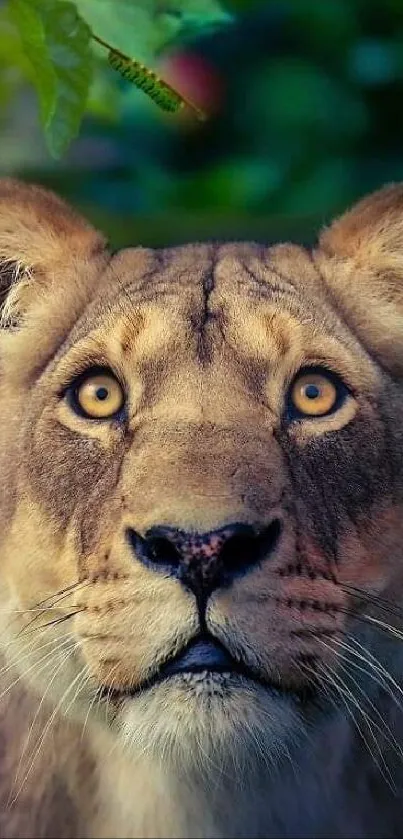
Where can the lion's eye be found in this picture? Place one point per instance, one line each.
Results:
(99, 396)
(314, 394)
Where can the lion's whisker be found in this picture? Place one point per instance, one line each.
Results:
(386, 728)
(57, 670)
(385, 626)
(97, 696)
(387, 679)
(31, 668)
(52, 623)
(27, 652)
(63, 595)
(346, 694)
(63, 591)
(380, 602)
(46, 729)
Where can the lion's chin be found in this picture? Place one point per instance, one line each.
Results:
(196, 719)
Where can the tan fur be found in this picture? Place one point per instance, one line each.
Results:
(361, 258)
(207, 340)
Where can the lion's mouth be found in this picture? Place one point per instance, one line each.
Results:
(203, 653)
(205, 656)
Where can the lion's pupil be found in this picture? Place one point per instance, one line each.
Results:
(312, 392)
(102, 393)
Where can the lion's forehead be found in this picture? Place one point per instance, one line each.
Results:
(260, 299)
(222, 271)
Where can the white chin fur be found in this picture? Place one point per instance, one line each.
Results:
(194, 720)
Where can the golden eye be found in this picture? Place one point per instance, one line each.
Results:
(313, 394)
(99, 396)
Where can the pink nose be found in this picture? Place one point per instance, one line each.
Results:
(204, 562)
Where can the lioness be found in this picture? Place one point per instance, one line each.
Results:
(201, 530)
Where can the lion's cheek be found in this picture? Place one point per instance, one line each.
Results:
(127, 626)
(368, 550)
(38, 561)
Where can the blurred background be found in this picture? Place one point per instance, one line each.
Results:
(305, 101)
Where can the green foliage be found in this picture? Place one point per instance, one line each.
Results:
(308, 117)
(56, 42)
(142, 28)
(137, 29)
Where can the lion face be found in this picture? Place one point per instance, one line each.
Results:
(202, 449)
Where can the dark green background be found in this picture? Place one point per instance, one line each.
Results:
(311, 118)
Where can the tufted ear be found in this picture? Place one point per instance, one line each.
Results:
(42, 243)
(360, 257)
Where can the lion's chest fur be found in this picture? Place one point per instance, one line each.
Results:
(85, 787)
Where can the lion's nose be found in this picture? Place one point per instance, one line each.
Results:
(204, 562)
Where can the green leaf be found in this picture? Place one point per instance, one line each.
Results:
(56, 42)
(142, 28)
(127, 25)
(68, 43)
(31, 30)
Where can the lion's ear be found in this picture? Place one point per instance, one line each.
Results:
(361, 259)
(41, 242)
